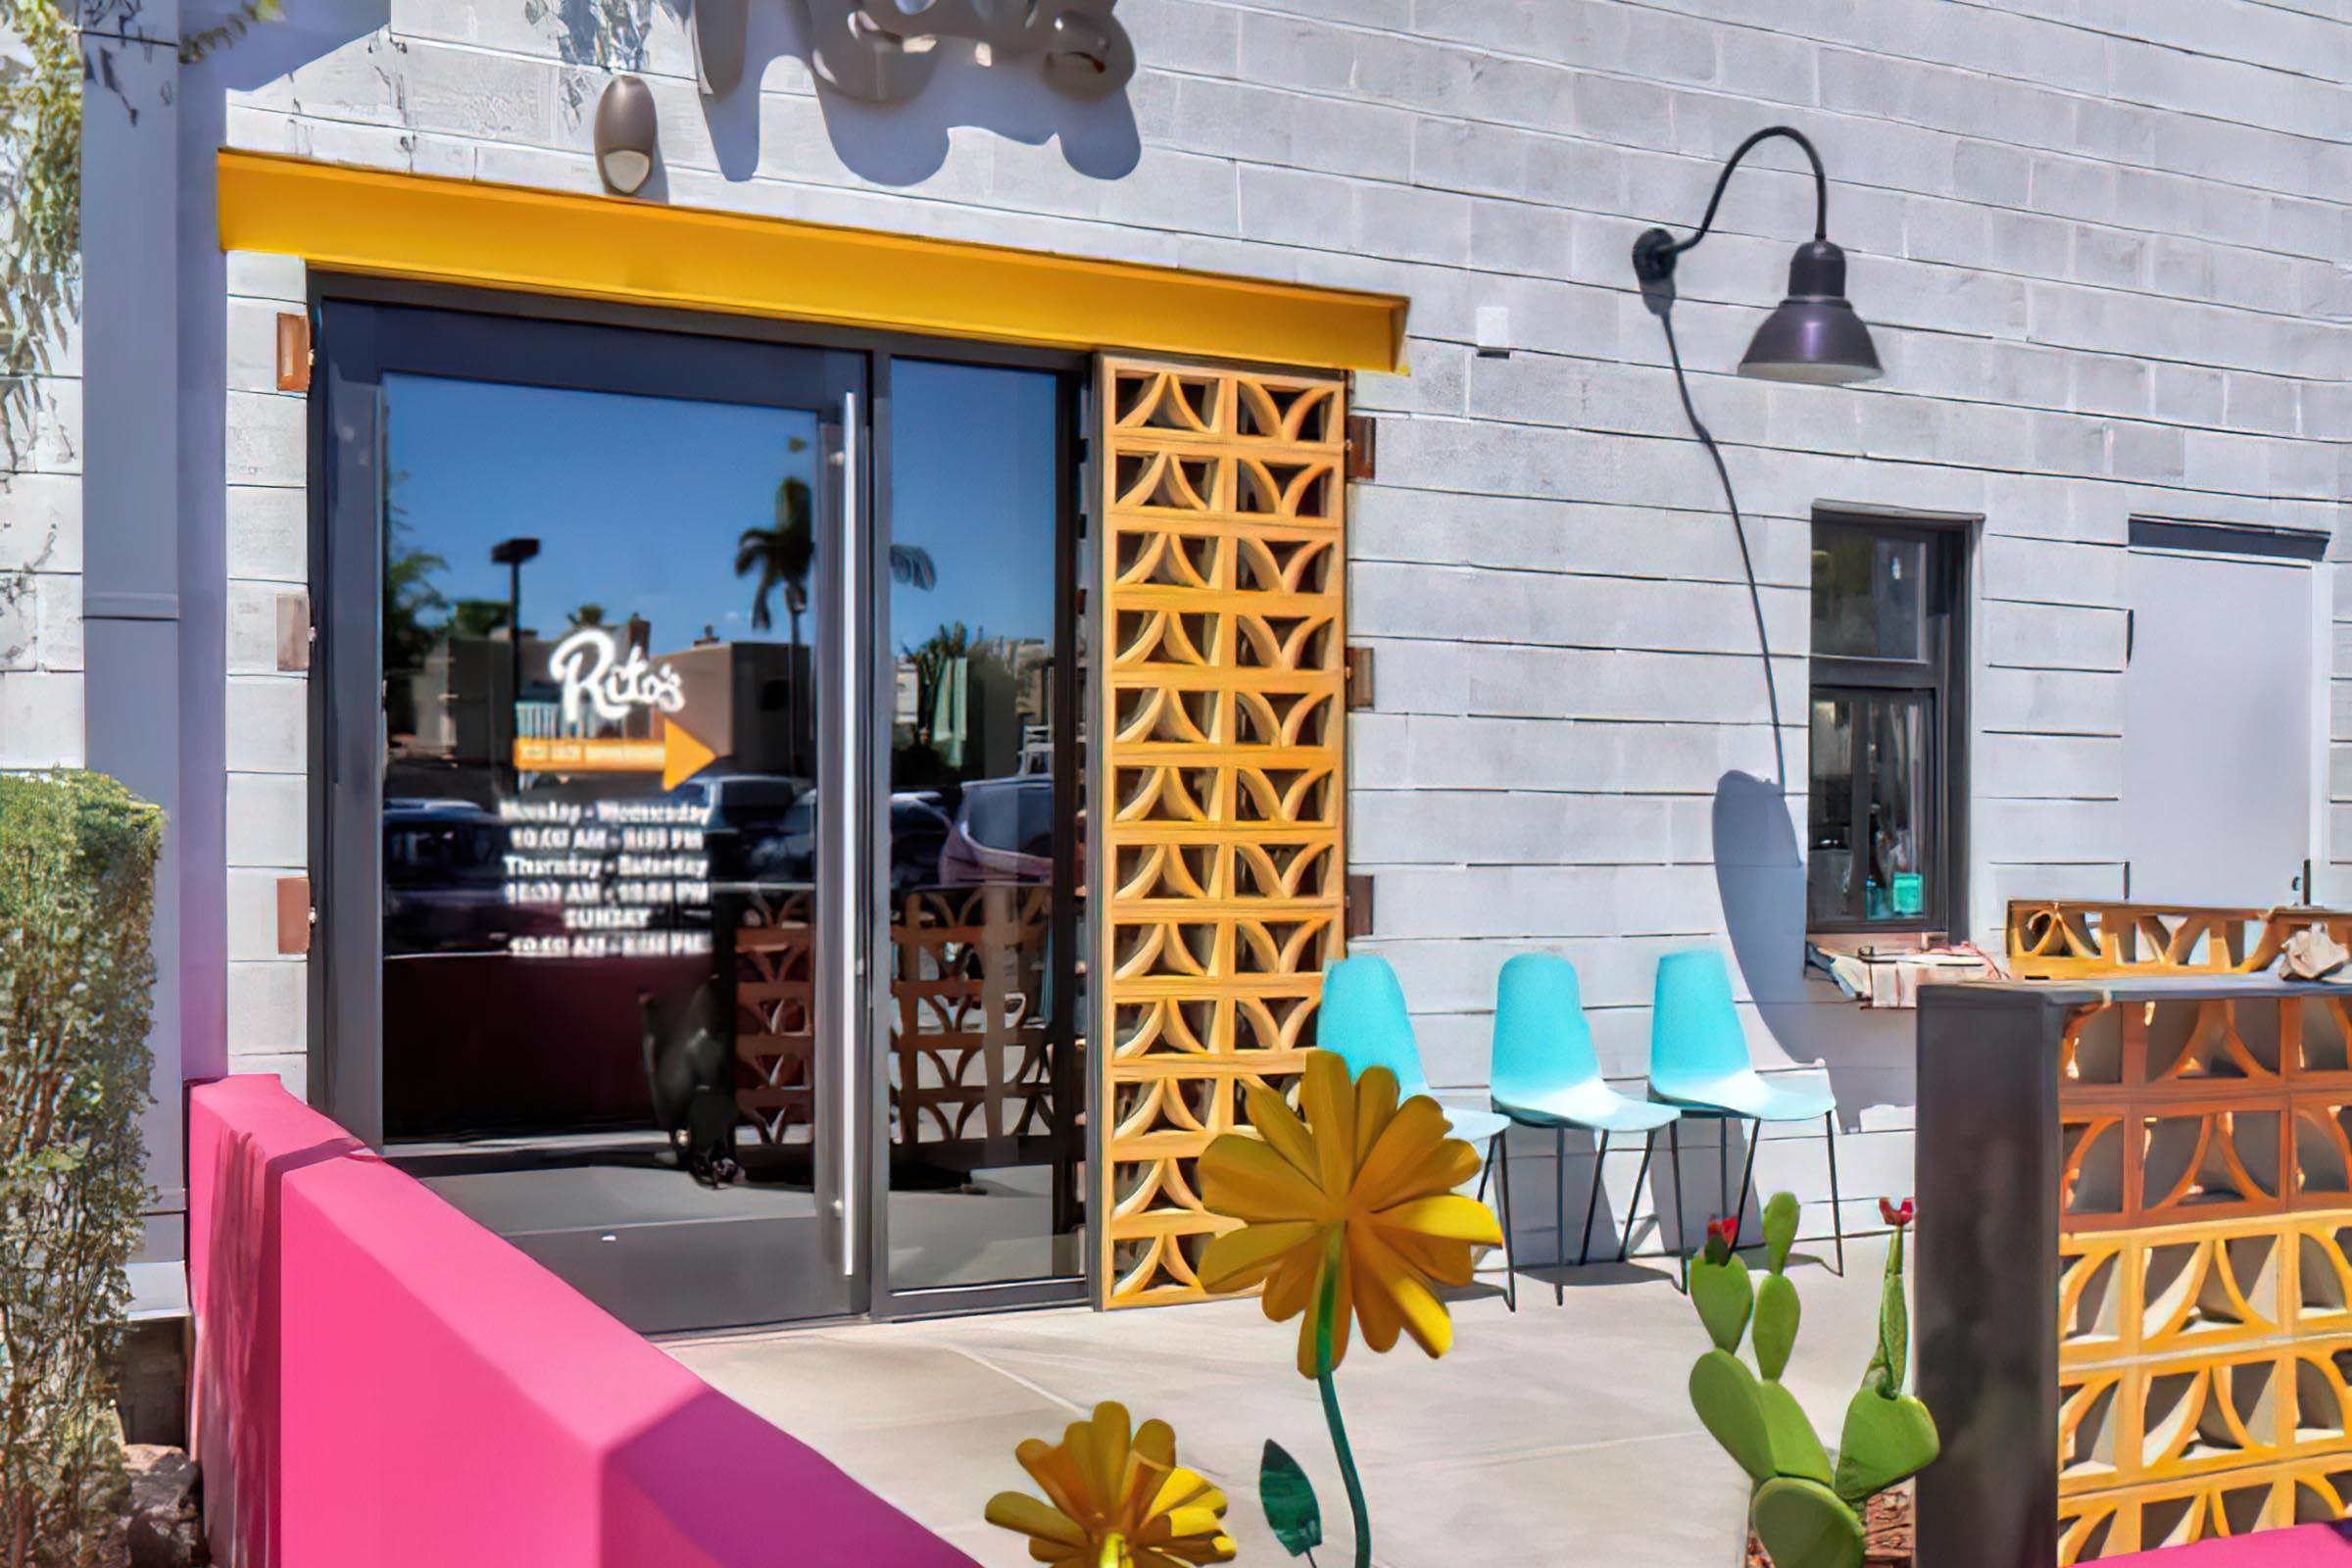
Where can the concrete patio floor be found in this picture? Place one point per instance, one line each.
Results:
(1558, 1434)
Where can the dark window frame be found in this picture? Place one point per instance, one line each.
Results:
(1940, 676)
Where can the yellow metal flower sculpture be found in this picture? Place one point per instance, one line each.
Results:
(1351, 1212)
(1363, 1184)
(1114, 1502)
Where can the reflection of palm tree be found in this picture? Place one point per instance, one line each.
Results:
(476, 617)
(912, 565)
(781, 556)
(931, 658)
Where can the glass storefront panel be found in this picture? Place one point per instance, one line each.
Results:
(598, 734)
(984, 1095)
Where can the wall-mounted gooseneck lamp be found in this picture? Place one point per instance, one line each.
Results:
(1813, 336)
(625, 130)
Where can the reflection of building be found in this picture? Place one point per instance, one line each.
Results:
(747, 700)
(749, 703)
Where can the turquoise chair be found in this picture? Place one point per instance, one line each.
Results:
(1362, 1017)
(1546, 1075)
(1698, 1064)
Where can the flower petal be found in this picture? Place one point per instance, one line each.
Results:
(1414, 1158)
(1241, 1258)
(1290, 1287)
(1408, 1294)
(1451, 1217)
(1017, 1510)
(1279, 1125)
(1376, 1097)
(1328, 1101)
(1242, 1178)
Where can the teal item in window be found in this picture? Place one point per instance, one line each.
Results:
(1908, 898)
(1873, 901)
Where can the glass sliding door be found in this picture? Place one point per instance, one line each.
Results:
(983, 1131)
(593, 843)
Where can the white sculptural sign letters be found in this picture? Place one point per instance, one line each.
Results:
(884, 51)
(590, 667)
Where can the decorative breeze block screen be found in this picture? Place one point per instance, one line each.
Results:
(1219, 744)
(2205, 1294)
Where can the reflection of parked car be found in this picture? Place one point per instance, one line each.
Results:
(750, 817)
(445, 881)
(1004, 832)
(785, 851)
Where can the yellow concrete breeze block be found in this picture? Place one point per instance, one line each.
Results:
(1218, 749)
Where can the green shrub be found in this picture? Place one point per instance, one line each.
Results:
(78, 857)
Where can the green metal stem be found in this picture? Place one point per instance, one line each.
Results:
(1326, 1310)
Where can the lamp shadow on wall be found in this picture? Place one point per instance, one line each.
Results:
(907, 142)
(1760, 878)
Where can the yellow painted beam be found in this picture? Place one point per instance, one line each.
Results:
(606, 247)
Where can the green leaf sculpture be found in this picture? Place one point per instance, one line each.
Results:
(1807, 1514)
(1289, 1499)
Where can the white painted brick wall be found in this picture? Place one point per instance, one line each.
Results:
(268, 741)
(40, 570)
(2100, 242)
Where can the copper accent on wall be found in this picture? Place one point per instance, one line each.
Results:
(1363, 446)
(1359, 677)
(1219, 749)
(293, 352)
(1358, 905)
(294, 630)
(293, 914)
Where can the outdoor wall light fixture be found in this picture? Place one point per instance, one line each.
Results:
(1813, 336)
(625, 130)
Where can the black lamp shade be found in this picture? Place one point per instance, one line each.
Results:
(1814, 334)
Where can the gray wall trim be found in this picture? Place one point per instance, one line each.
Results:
(130, 498)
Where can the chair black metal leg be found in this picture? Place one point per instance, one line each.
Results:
(1829, 1120)
(1649, 1147)
(1486, 1168)
(1560, 1269)
(1723, 1163)
(1747, 1180)
(1501, 1146)
(1600, 1157)
(1673, 1149)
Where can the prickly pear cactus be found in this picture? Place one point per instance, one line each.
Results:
(1808, 1513)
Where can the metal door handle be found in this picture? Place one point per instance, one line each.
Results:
(847, 936)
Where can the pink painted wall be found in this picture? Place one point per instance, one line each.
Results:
(381, 1383)
(2307, 1546)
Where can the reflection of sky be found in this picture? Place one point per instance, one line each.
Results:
(972, 483)
(636, 502)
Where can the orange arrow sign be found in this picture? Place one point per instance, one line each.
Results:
(682, 754)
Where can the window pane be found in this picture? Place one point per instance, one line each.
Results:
(557, 869)
(1829, 862)
(1895, 882)
(1883, 867)
(984, 1148)
(1868, 593)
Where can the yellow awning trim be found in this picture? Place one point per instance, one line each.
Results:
(607, 247)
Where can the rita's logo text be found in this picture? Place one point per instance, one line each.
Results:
(592, 669)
